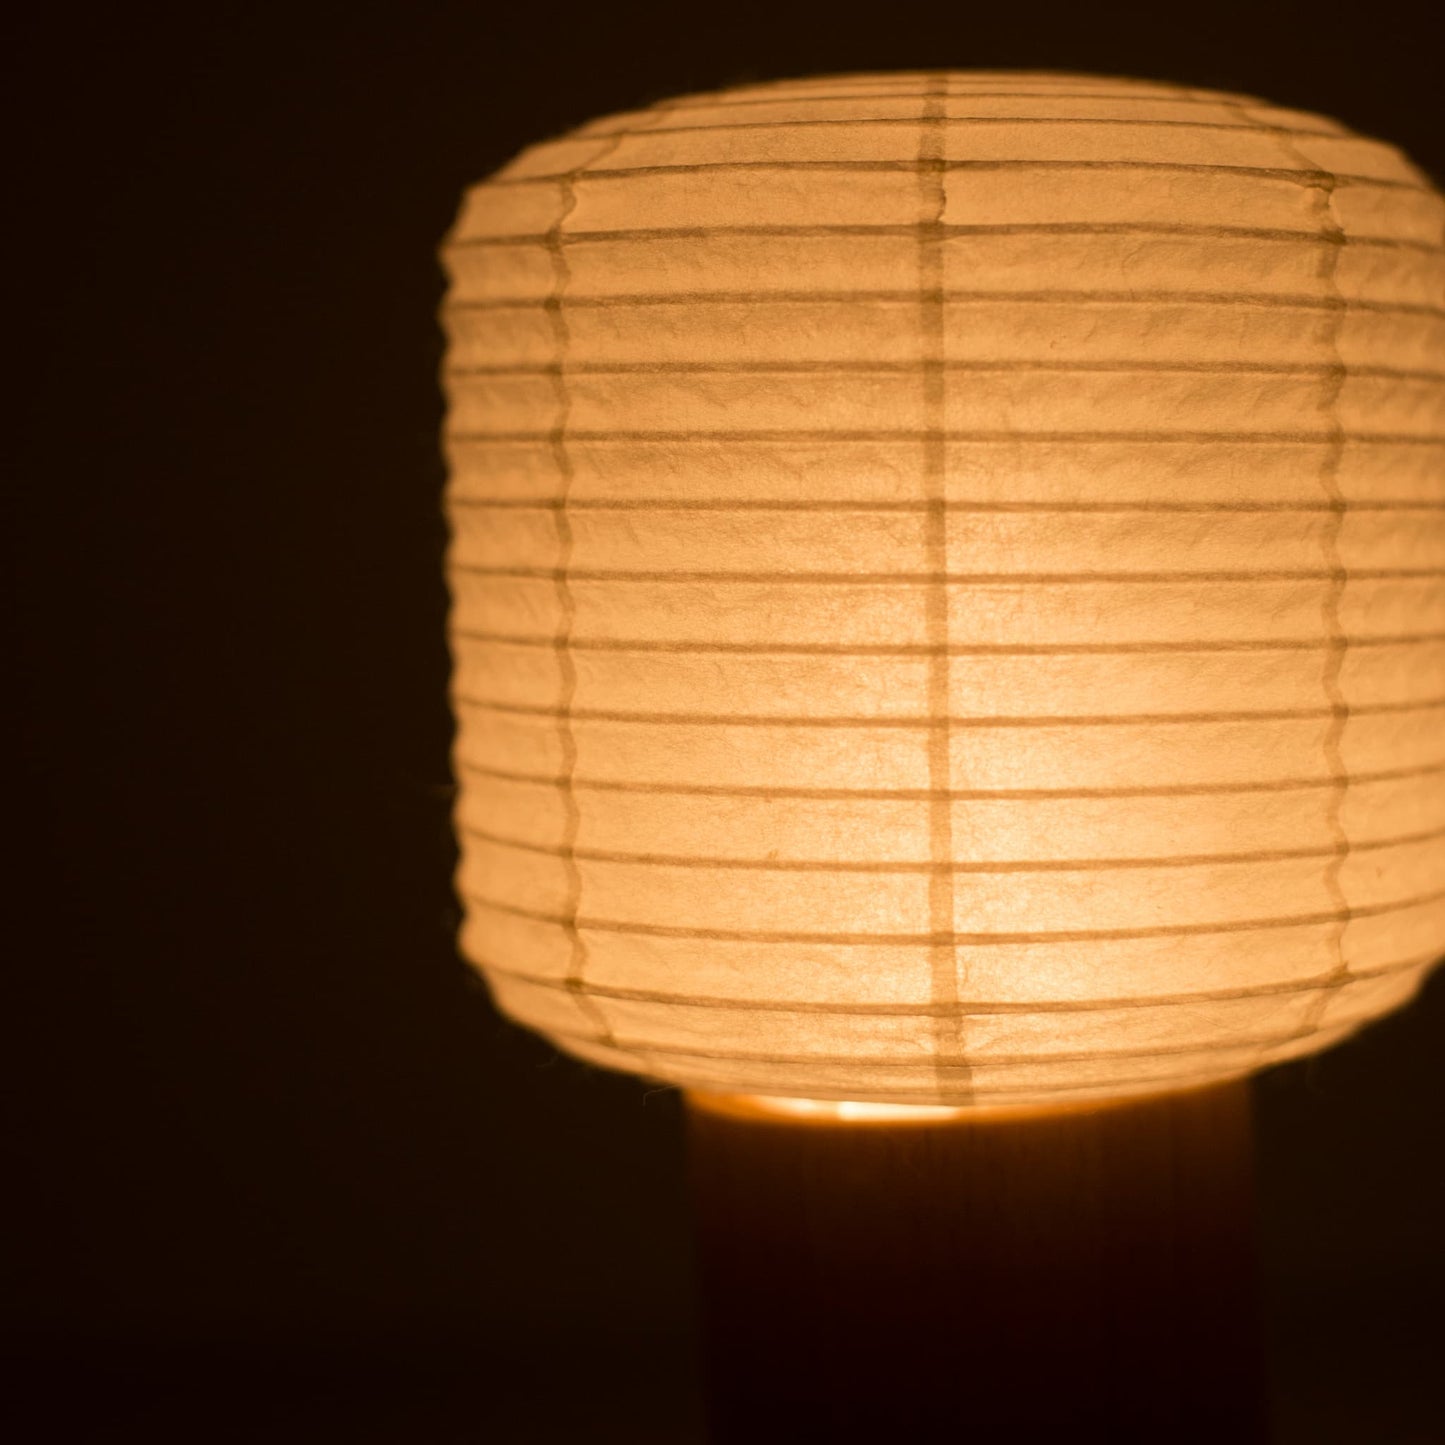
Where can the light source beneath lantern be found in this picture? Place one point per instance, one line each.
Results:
(781, 1109)
(827, 1111)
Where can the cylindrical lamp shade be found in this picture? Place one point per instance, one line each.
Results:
(949, 586)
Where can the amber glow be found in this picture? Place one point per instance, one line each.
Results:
(859, 1112)
(948, 583)
(831, 1111)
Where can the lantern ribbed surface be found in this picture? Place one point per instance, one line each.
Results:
(948, 585)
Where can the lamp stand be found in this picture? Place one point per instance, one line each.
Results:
(1001, 1276)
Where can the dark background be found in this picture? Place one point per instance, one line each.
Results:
(277, 1170)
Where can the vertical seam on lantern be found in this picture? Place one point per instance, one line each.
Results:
(577, 960)
(1332, 243)
(948, 1043)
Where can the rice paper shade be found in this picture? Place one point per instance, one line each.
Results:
(948, 580)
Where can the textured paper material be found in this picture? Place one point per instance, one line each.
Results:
(949, 586)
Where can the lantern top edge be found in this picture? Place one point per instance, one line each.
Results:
(882, 98)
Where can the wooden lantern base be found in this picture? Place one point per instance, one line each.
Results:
(1085, 1274)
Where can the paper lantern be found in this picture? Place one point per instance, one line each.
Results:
(949, 586)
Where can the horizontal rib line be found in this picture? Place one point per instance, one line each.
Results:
(954, 937)
(809, 95)
(1305, 176)
(844, 506)
(1264, 301)
(914, 795)
(814, 96)
(971, 1007)
(955, 121)
(796, 97)
(1068, 865)
(969, 1094)
(923, 723)
(920, 365)
(917, 436)
(824, 83)
(829, 649)
(1235, 1043)
(934, 579)
(946, 229)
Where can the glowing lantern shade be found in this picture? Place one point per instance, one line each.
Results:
(949, 586)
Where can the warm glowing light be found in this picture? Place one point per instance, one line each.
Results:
(837, 1111)
(949, 587)
(856, 1111)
